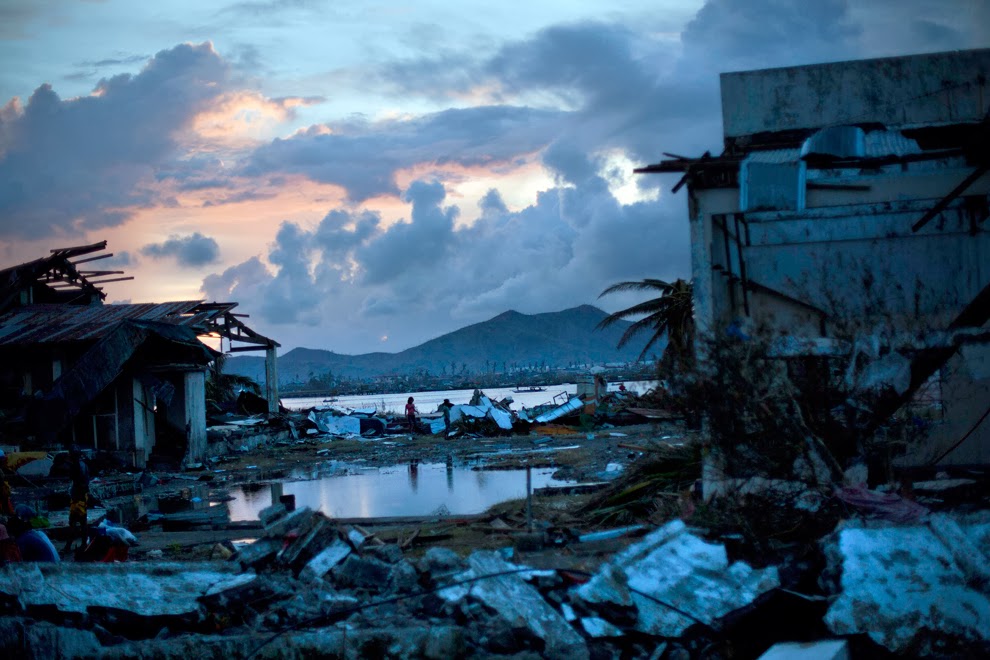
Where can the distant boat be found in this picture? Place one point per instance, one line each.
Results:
(531, 388)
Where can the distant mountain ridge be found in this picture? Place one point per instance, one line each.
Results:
(507, 341)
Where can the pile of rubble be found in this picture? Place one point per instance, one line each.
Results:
(311, 587)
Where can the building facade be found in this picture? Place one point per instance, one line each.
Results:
(847, 218)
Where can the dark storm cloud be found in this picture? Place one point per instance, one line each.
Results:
(410, 249)
(622, 89)
(193, 251)
(68, 166)
(615, 81)
(589, 64)
(759, 33)
(893, 27)
(341, 232)
(493, 204)
(542, 257)
(364, 157)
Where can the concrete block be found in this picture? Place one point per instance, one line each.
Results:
(272, 513)
(829, 649)
(676, 567)
(362, 573)
(282, 526)
(904, 588)
(518, 604)
(325, 560)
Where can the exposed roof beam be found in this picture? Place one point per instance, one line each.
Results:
(82, 261)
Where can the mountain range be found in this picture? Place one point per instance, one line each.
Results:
(508, 341)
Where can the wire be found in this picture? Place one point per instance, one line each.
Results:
(327, 618)
(962, 439)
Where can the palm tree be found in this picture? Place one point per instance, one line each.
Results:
(221, 387)
(669, 314)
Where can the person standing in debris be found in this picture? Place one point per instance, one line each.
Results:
(445, 409)
(411, 415)
(78, 497)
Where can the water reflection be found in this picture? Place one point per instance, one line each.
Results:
(416, 489)
(414, 476)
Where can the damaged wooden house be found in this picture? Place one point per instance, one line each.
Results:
(846, 218)
(123, 378)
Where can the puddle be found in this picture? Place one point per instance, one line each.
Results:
(408, 490)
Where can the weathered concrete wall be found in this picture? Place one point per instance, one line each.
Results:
(864, 266)
(943, 88)
(144, 424)
(195, 413)
(226, 439)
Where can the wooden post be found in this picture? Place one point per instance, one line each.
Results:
(529, 498)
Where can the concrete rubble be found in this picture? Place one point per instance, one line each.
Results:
(517, 603)
(916, 590)
(310, 586)
(671, 565)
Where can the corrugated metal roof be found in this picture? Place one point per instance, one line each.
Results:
(837, 142)
(774, 156)
(41, 324)
(876, 144)
(889, 143)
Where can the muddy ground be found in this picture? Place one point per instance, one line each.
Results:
(584, 457)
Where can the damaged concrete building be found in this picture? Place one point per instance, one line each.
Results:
(125, 378)
(847, 218)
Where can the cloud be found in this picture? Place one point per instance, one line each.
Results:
(892, 27)
(243, 281)
(269, 9)
(15, 16)
(120, 258)
(68, 166)
(574, 104)
(407, 250)
(121, 60)
(352, 272)
(753, 34)
(364, 157)
(192, 251)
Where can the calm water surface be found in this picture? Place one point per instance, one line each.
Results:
(407, 490)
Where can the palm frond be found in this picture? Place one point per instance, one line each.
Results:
(642, 285)
(670, 314)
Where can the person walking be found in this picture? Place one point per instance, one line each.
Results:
(445, 409)
(411, 415)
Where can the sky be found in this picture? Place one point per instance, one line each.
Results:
(367, 175)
